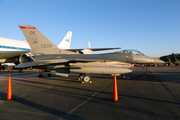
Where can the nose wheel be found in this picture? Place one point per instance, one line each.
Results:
(85, 78)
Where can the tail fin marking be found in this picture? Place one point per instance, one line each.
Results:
(39, 43)
(66, 41)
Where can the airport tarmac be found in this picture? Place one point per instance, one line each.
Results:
(153, 96)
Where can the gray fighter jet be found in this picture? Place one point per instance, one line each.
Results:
(49, 57)
(172, 58)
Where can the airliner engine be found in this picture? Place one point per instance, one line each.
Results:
(23, 58)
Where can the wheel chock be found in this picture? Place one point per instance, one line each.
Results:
(79, 78)
(90, 81)
(82, 81)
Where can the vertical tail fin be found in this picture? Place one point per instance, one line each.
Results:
(66, 41)
(89, 45)
(39, 43)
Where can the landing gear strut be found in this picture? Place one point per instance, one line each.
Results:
(81, 76)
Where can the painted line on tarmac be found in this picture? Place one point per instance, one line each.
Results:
(168, 88)
(16, 74)
(4, 80)
(23, 111)
(160, 82)
(67, 115)
(5, 77)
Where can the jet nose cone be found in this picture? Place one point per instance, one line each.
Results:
(127, 70)
(157, 61)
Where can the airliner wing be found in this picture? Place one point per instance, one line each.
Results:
(94, 49)
(99, 49)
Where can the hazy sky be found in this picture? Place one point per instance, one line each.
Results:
(150, 26)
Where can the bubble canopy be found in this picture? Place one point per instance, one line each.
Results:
(132, 51)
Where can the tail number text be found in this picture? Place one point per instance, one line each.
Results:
(46, 45)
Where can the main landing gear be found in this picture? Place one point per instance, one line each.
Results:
(44, 72)
(85, 78)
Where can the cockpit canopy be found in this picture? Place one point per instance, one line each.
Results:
(132, 51)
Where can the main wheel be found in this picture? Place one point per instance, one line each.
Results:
(86, 78)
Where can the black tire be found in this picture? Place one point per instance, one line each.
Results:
(39, 75)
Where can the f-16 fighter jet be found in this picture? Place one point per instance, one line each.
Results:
(50, 57)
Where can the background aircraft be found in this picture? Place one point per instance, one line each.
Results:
(66, 41)
(11, 49)
(65, 44)
(90, 50)
(172, 58)
(64, 62)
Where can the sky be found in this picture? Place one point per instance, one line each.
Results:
(150, 26)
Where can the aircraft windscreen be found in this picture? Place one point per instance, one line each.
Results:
(131, 51)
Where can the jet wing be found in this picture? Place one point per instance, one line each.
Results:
(53, 61)
(43, 62)
(93, 49)
(11, 54)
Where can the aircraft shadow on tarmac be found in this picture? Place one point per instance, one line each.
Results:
(43, 108)
(55, 88)
(156, 100)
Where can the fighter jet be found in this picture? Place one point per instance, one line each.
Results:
(50, 57)
(172, 58)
